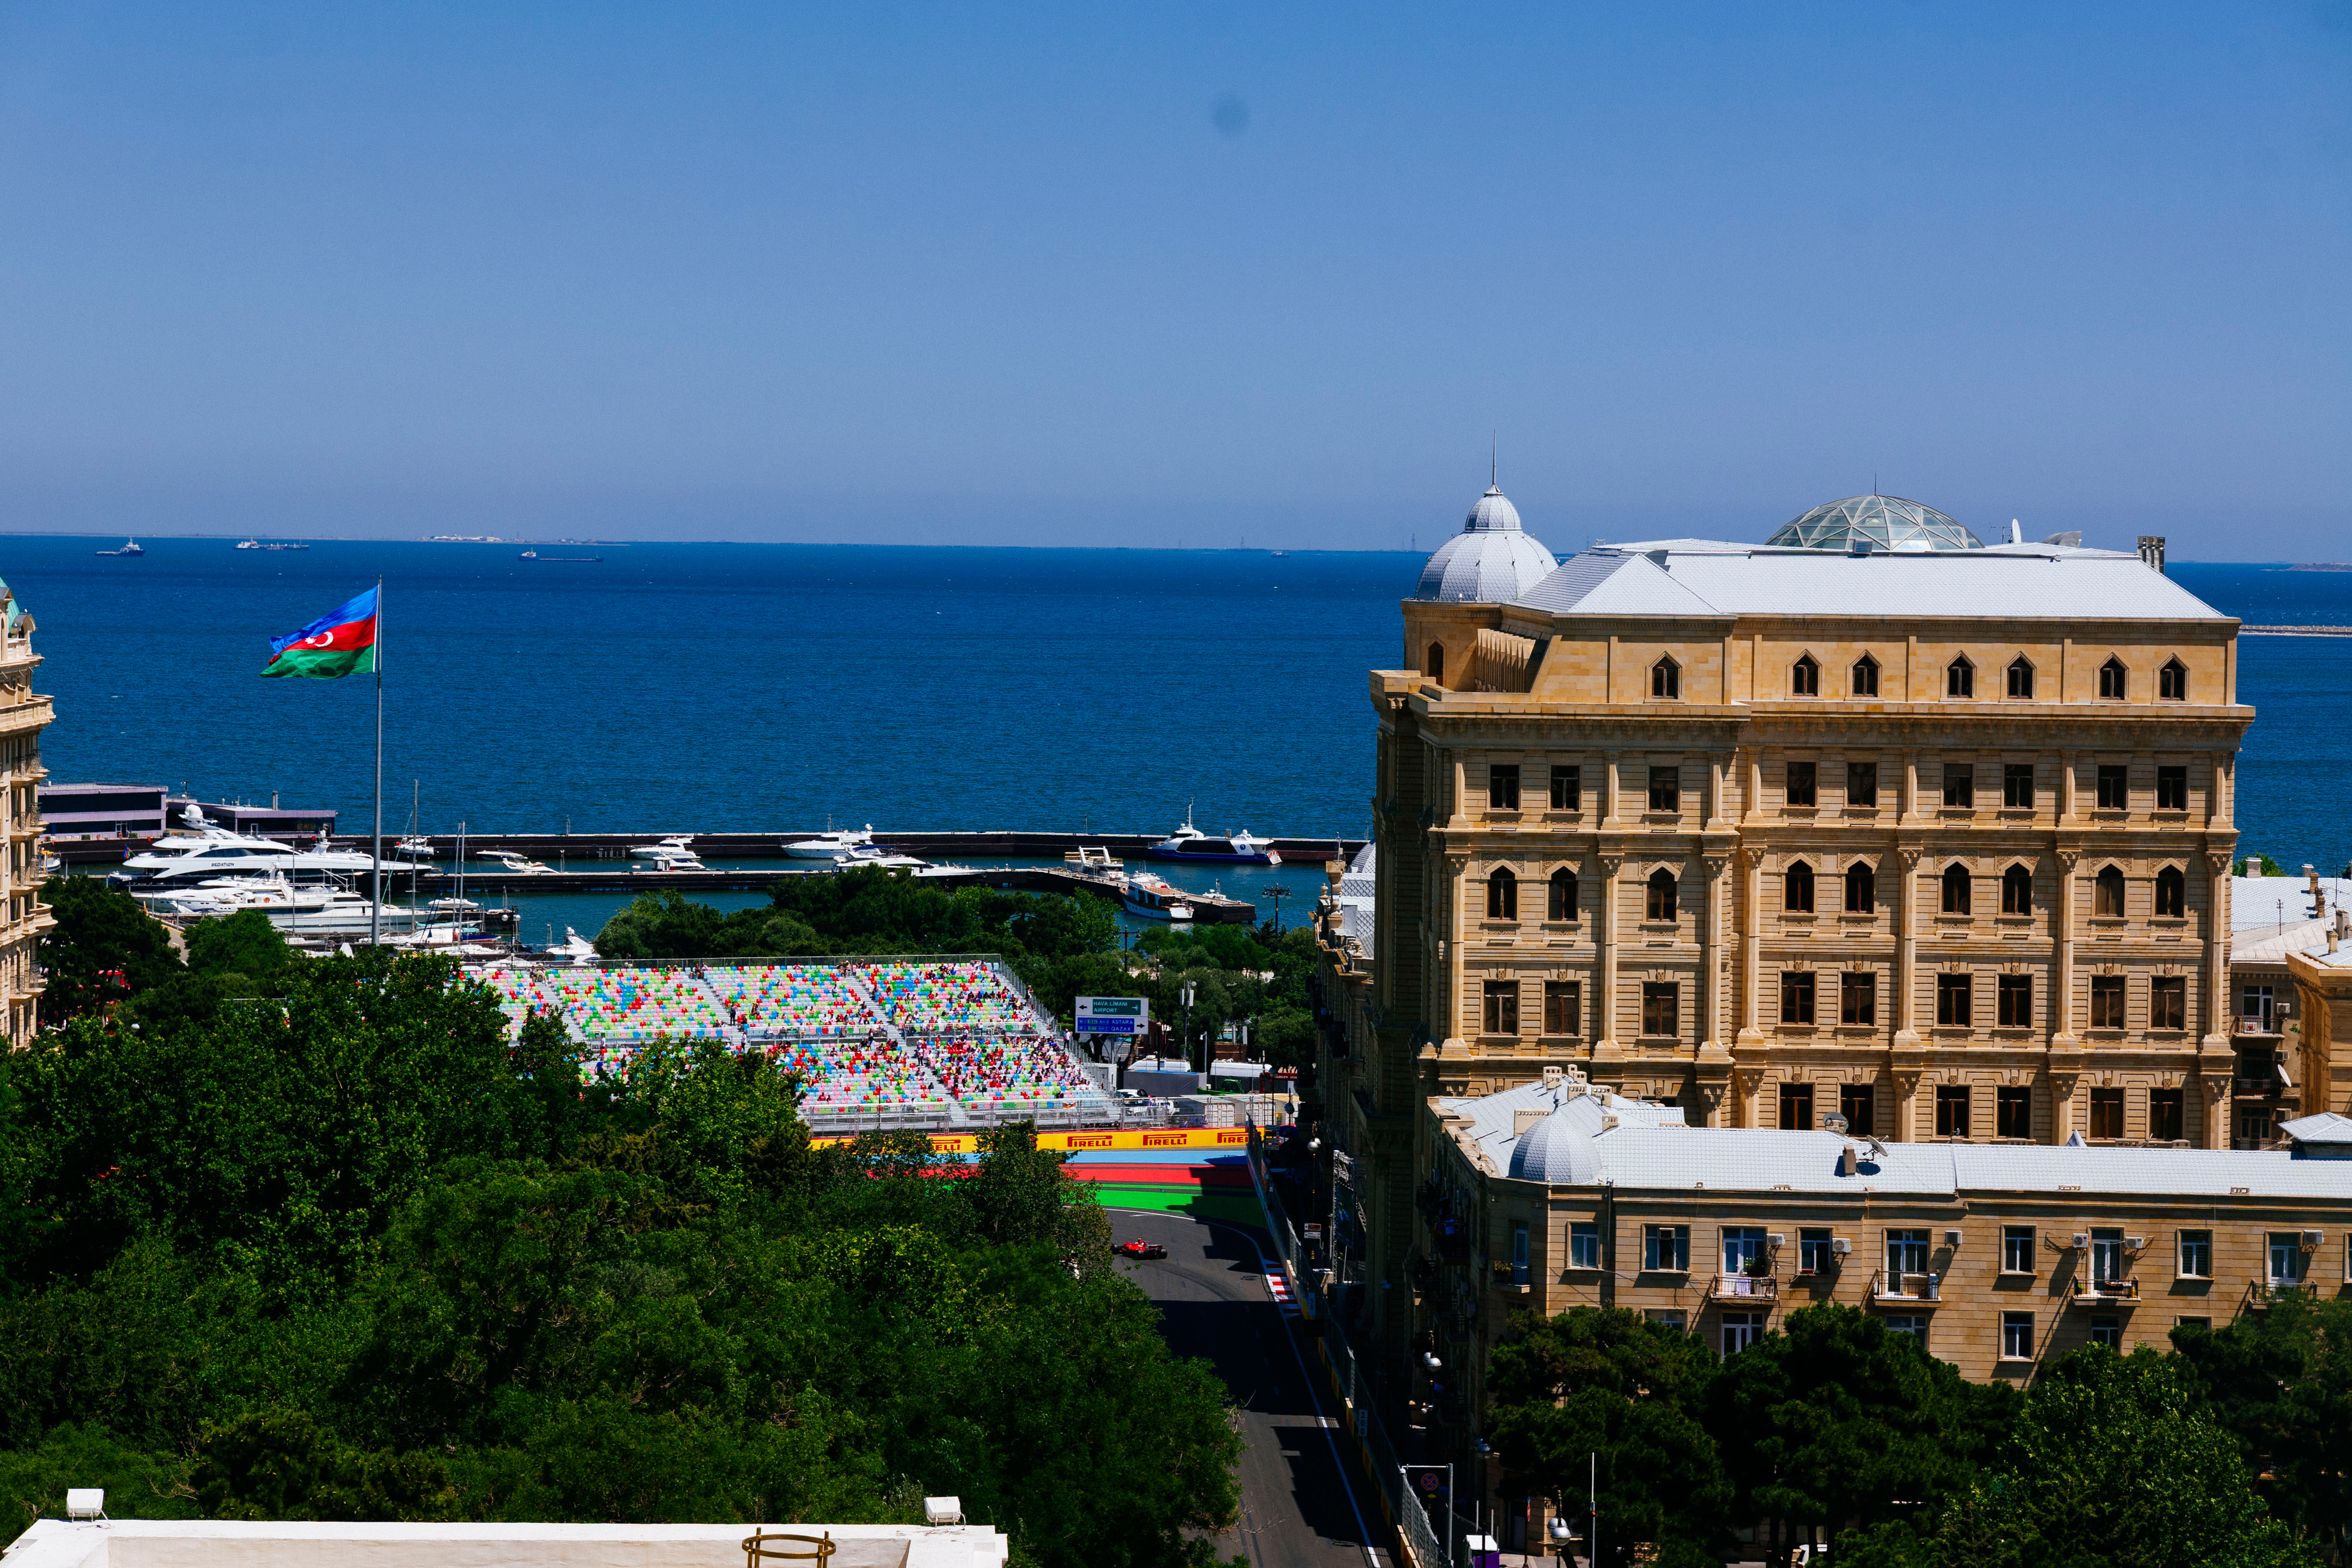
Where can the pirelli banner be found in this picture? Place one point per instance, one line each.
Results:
(1234, 1138)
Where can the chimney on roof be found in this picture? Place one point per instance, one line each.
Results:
(2151, 550)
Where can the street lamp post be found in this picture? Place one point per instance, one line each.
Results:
(1186, 993)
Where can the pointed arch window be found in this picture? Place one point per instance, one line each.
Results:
(2171, 893)
(1797, 888)
(2017, 891)
(1433, 665)
(2114, 681)
(1956, 889)
(1561, 905)
(1502, 894)
(1861, 889)
(2020, 676)
(1666, 679)
(2172, 682)
(2107, 892)
(1960, 678)
(1661, 894)
(1805, 678)
(1865, 676)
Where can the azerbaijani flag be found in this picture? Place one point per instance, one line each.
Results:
(340, 643)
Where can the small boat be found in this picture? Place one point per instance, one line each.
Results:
(415, 846)
(130, 546)
(248, 544)
(514, 862)
(1190, 843)
(1152, 899)
(534, 555)
(830, 844)
(671, 853)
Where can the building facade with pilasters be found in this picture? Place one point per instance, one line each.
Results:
(1937, 842)
(23, 917)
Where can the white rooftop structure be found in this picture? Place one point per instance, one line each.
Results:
(1492, 561)
(1713, 577)
(1357, 885)
(222, 1543)
(1570, 1133)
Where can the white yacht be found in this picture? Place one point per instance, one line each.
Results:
(418, 848)
(201, 852)
(672, 853)
(876, 856)
(223, 896)
(515, 862)
(829, 846)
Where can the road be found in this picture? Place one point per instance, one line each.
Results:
(1299, 1509)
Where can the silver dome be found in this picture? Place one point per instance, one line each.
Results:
(1878, 522)
(1491, 561)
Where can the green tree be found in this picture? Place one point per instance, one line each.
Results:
(103, 948)
(1834, 1422)
(665, 926)
(1609, 1382)
(245, 944)
(2281, 1383)
(2113, 1460)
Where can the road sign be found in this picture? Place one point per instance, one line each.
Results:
(1113, 1015)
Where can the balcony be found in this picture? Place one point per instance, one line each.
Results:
(1740, 1288)
(2261, 1293)
(2105, 1294)
(2254, 1026)
(1903, 1289)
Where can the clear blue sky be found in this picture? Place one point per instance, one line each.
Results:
(1151, 274)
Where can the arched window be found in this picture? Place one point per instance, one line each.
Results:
(1956, 889)
(1434, 666)
(1563, 895)
(1797, 888)
(2017, 891)
(1666, 679)
(2108, 897)
(2020, 677)
(1502, 894)
(2171, 892)
(1861, 889)
(1865, 676)
(1805, 678)
(2113, 679)
(2172, 682)
(1960, 678)
(1661, 894)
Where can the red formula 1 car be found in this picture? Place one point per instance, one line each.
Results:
(1142, 1249)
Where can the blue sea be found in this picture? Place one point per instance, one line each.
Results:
(699, 687)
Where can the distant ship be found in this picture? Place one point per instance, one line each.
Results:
(130, 546)
(275, 544)
(534, 555)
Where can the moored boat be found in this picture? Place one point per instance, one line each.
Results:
(1152, 899)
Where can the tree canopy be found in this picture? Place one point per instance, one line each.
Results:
(354, 1253)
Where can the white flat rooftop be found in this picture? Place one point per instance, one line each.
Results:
(217, 1544)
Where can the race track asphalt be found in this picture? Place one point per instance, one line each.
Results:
(1301, 1508)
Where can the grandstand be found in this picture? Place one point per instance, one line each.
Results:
(951, 1042)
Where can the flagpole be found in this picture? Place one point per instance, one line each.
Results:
(375, 907)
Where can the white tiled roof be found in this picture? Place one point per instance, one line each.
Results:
(1702, 577)
(1649, 1149)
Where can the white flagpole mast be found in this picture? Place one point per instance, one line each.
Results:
(376, 908)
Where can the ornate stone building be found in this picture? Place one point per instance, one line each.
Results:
(1872, 822)
(23, 918)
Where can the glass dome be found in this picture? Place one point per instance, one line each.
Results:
(1882, 522)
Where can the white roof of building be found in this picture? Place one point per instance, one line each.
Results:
(2280, 902)
(1687, 577)
(1584, 1139)
(1357, 886)
(1492, 561)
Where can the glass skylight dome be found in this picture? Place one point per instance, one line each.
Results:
(1882, 522)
